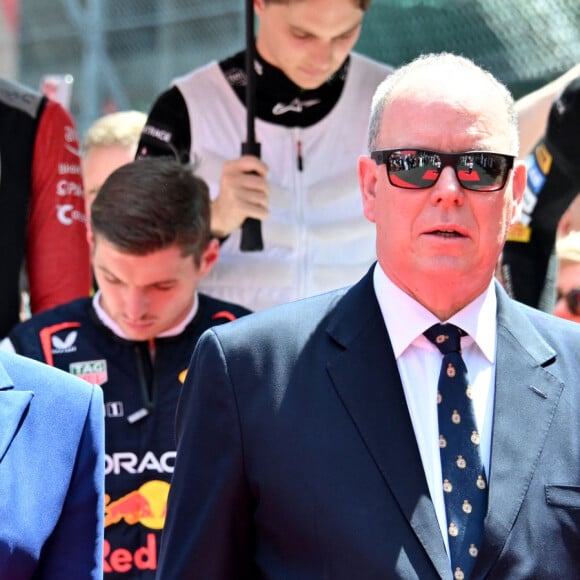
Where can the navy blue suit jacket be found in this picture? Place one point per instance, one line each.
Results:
(297, 457)
(51, 473)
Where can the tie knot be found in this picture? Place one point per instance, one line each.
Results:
(446, 337)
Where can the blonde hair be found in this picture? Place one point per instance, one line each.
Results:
(122, 129)
(568, 247)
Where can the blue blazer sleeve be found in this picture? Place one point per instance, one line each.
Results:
(51, 473)
(78, 533)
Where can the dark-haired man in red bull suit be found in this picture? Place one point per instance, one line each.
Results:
(151, 244)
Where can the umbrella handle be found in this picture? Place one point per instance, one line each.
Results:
(251, 240)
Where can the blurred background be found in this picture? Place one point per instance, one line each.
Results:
(106, 55)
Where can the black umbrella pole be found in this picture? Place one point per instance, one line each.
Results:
(251, 240)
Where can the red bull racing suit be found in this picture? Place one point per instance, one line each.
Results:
(141, 383)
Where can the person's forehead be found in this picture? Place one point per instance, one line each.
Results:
(447, 83)
(142, 270)
(99, 162)
(110, 248)
(477, 116)
(362, 4)
(569, 274)
(112, 155)
(317, 16)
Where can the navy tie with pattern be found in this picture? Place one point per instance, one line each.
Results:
(464, 481)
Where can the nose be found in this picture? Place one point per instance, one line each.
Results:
(322, 54)
(135, 304)
(447, 190)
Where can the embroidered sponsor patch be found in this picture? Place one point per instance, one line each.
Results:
(519, 233)
(92, 371)
(66, 344)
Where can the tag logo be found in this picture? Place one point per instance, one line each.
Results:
(92, 371)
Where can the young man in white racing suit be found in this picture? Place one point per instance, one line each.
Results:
(312, 102)
(313, 97)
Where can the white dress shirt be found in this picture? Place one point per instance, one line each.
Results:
(419, 363)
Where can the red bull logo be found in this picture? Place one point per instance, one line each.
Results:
(123, 561)
(146, 506)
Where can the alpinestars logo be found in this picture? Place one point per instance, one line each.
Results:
(60, 345)
(294, 106)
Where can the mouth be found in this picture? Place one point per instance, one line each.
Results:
(138, 325)
(447, 232)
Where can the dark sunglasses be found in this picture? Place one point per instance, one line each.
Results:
(572, 300)
(420, 169)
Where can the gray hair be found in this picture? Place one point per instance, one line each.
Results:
(385, 91)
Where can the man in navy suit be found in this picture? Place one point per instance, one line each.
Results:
(308, 435)
(52, 470)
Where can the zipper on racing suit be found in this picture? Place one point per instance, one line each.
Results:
(145, 359)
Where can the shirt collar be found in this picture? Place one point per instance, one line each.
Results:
(116, 329)
(279, 100)
(478, 318)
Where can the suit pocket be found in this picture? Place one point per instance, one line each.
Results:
(564, 496)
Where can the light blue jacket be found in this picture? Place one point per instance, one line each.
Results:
(51, 473)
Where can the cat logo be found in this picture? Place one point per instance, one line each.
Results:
(60, 345)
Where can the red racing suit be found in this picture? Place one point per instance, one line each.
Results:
(42, 217)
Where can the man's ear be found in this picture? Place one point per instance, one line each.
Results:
(259, 6)
(367, 178)
(90, 237)
(209, 257)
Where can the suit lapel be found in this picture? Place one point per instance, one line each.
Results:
(367, 365)
(13, 407)
(526, 396)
